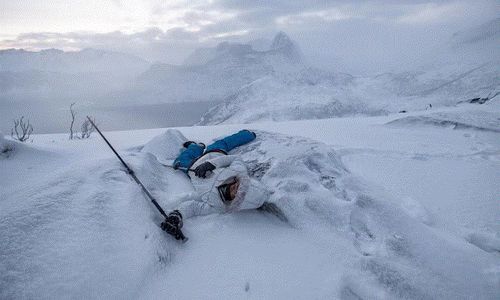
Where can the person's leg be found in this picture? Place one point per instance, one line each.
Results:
(188, 156)
(230, 142)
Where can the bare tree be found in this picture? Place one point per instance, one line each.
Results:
(87, 129)
(73, 115)
(21, 129)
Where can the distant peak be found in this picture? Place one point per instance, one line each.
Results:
(232, 49)
(283, 44)
(51, 51)
(92, 50)
(227, 46)
(12, 51)
(281, 40)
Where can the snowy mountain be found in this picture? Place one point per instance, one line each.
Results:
(215, 73)
(467, 66)
(306, 94)
(248, 85)
(457, 75)
(114, 78)
(487, 32)
(313, 94)
(444, 85)
(30, 76)
(84, 61)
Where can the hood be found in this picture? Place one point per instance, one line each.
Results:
(251, 194)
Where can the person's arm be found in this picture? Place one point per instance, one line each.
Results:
(223, 160)
(194, 208)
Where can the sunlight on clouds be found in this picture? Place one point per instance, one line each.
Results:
(330, 15)
(196, 19)
(432, 13)
(161, 30)
(226, 35)
(91, 15)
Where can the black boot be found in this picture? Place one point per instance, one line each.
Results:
(186, 144)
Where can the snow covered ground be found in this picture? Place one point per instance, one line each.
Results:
(384, 207)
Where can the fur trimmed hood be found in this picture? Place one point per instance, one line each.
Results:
(251, 193)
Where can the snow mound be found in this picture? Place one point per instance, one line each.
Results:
(474, 120)
(487, 242)
(165, 147)
(312, 190)
(21, 151)
(403, 258)
(3, 143)
(84, 231)
(6, 146)
(305, 180)
(87, 231)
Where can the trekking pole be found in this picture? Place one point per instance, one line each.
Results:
(131, 173)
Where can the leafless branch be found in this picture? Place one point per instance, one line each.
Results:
(73, 115)
(21, 129)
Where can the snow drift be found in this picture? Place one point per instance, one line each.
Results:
(474, 120)
(389, 253)
(3, 143)
(86, 231)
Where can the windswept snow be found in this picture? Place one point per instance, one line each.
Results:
(3, 143)
(360, 210)
(474, 119)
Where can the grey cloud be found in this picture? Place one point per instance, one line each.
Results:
(353, 36)
(152, 43)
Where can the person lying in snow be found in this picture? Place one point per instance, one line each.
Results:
(221, 181)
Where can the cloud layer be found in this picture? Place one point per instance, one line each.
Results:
(354, 36)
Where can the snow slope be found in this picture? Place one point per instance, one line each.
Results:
(362, 209)
(310, 93)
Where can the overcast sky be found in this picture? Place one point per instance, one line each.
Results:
(353, 36)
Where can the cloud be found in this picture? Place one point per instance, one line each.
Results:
(152, 43)
(328, 15)
(359, 36)
(432, 13)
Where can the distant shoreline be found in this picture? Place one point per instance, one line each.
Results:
(56, 118)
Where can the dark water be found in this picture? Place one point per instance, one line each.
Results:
(56, 119)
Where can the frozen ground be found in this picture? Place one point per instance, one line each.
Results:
(365, 208)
